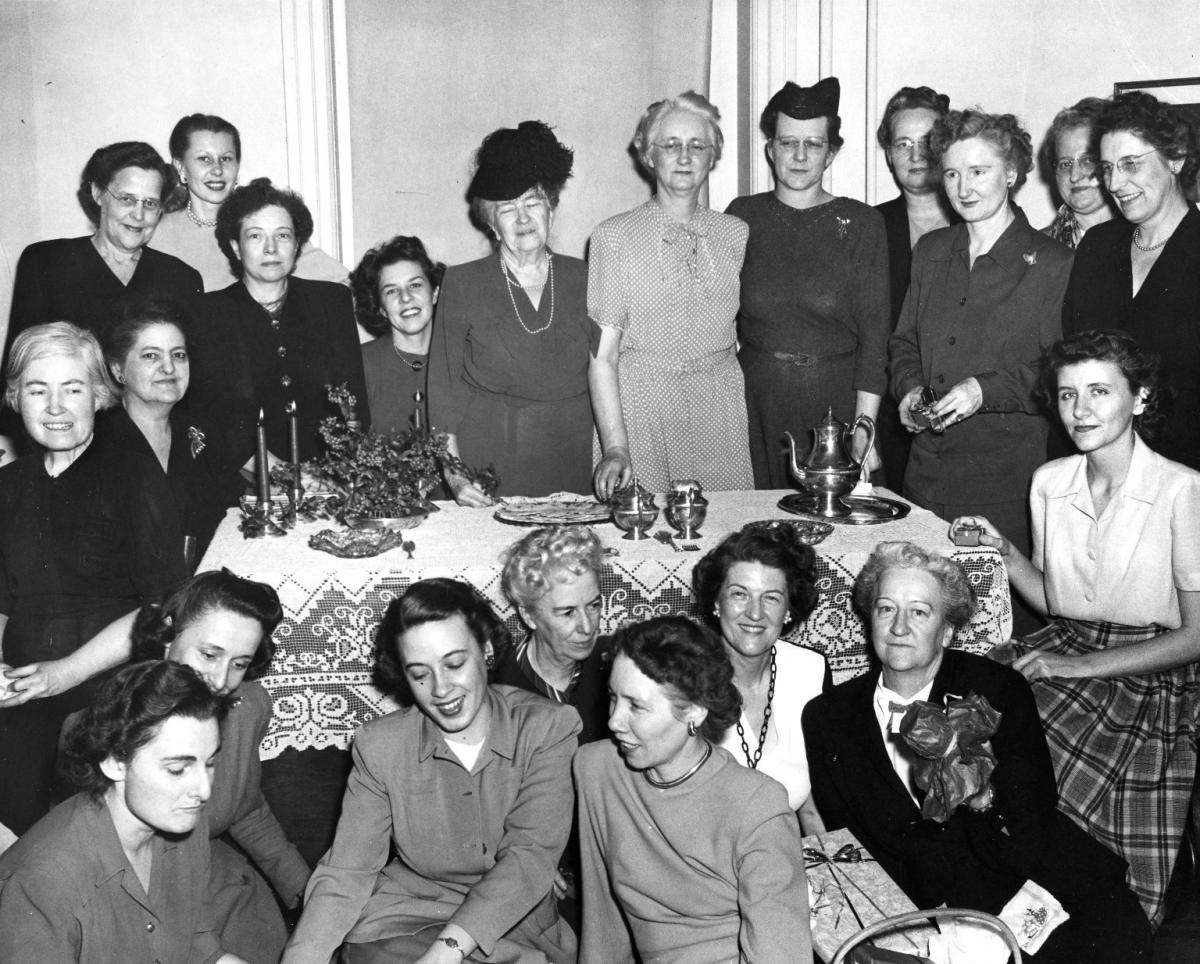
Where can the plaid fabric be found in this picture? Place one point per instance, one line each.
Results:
(1124, 750)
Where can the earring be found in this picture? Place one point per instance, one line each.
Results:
(691, 728)
(787, 617)
(717, 611)
(489, 658)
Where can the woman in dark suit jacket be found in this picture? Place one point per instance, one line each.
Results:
(861, 772)
(274, 338)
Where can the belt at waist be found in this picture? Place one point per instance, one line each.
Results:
(800, 359)
(699, 363)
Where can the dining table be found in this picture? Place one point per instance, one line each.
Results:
(320, 678)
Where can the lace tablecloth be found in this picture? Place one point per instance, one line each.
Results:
(320, 678)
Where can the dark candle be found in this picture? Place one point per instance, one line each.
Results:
(264, 468)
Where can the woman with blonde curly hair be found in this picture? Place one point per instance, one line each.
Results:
(552, 577)
(985, 301)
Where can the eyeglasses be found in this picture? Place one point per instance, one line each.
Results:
(1128, 166)
(811, 145)
(906, 145)
(1085, 164)
(680, 148)
(127, 202)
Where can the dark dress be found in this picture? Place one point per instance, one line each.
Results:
(76, 552)
(515, 400)
(1164, 316)
(891, 437)
(391, 385)
(204, 480)
(244, 361)
(975, 860)
(813, 322)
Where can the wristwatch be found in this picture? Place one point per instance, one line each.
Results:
(454, 945)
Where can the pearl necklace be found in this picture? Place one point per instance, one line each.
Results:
(199, 221)
(416, 366)
(667, 784)
(752, 761)
(508, 286)
(1147, 248)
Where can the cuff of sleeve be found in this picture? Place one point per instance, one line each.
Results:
(483, 932)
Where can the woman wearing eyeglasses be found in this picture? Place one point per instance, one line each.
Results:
(1139, 272)
(814, 316)
(90, 279)
(667, 393)
(1069, 152)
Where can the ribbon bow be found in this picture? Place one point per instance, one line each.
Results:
(846, 854)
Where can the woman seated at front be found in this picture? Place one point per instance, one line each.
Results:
(862, 772)
(469, 787)
(120, 871)
(1116, 563)
(686, 856)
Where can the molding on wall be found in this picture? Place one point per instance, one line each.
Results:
(316, 110)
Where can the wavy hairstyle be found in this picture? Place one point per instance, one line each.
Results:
(1163, 126)
(157, 626)
(251, 198)
(1141, 368)
(364, 280)
(958, 598)
(774, 546)
(53, 340)
(106, 162)
(120, 335)
(910, 98)
(532, 564)
(1002, 131)
(126, 714)
(651, 121)
(690, 662)
(431, 601)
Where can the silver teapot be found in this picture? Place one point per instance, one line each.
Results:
(830, 471)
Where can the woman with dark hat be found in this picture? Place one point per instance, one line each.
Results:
(814, 317)
(509, 359)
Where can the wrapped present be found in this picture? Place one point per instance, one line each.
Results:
(848, 890)
(955, 758)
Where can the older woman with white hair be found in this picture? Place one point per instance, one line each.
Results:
(86, 534)
(663, 290)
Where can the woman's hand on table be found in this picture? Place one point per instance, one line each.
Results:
(614, 471)
(961, 402)
(468, 493)
(990, 536)
(905, 409)
(1040, 665)
(33, 682)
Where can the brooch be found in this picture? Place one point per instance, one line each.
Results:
(842, 225)
(1029, 257)
(196, 437)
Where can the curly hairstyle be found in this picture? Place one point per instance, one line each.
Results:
(776, 546)
(251, 198)
(910, 98)
(1142, 370)
(690, 661)
(126, 714)
(1083, 113)
(119, 336)
(1163, 126)
(1002, 131)
(158, 625)
(651, 121)
(106, 162)
(364, 280)
(958, 598)
(431, 601)
(532, 564)
(53, 340)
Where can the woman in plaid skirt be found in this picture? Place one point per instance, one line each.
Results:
(1116, 565)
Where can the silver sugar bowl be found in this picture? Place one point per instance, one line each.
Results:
(634, 512)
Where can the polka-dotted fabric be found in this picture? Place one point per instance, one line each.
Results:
(673, 291)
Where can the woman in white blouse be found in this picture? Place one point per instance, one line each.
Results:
(1116, 565)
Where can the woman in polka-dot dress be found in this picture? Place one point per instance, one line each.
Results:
(663, 291)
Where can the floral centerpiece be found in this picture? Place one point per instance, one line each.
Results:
(375, 476)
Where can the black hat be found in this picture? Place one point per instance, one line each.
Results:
(804, 103)
(509, 162)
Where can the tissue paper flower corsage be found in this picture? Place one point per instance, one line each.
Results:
(197, 440)
(955, 758)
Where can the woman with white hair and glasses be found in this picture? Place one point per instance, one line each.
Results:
(87, 534)
(663, 290)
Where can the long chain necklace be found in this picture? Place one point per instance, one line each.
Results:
(667, 784)
(752, 761)
(416, 365)
(508, 286)
(1137, 240)
(200, 222)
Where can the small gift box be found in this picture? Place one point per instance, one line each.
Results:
(848, 890)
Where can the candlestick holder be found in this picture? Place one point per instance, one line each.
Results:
(263, 519)
(295, 500)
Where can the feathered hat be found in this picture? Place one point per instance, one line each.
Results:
(509, 162)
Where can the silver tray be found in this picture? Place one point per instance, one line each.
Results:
(865, 510)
